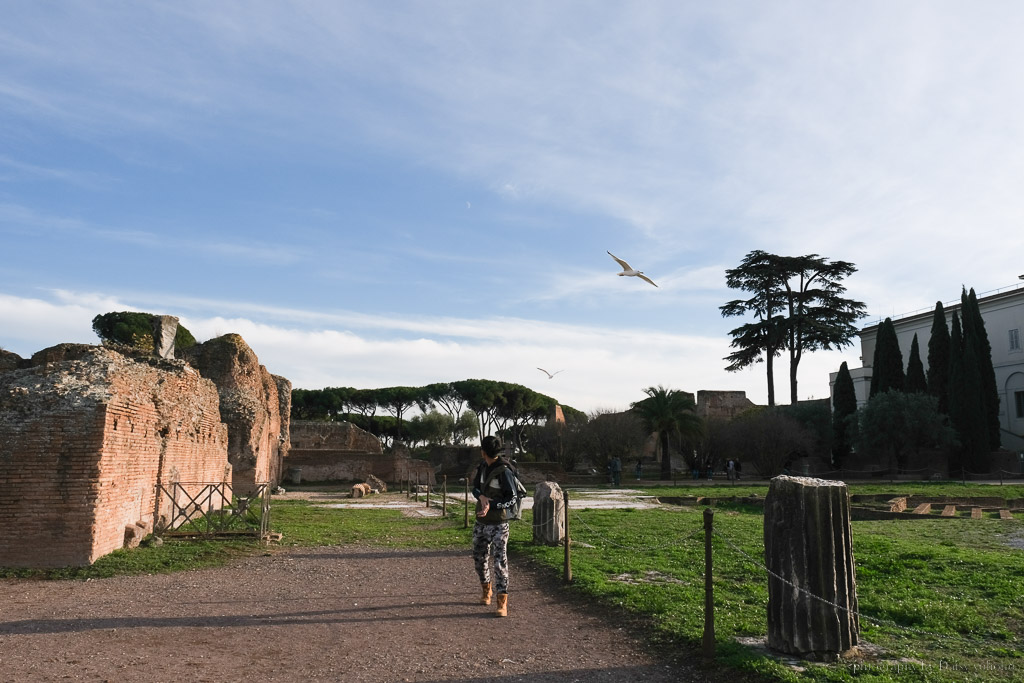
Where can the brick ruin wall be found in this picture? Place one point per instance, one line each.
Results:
(253, 403)
(330, 465)
(340, 451)
(723, 405)
(335, 436)
(83, 442)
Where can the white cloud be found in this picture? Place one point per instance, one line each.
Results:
(30, 325)
(603, 367)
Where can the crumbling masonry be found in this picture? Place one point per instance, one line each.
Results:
(87, 434)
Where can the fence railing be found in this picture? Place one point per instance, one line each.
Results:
(211, 509)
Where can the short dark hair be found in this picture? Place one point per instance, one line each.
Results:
(491, 445)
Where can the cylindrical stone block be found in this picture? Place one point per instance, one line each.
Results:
(548, 514)
(812, 585)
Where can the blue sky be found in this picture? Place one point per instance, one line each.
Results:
(377, 194)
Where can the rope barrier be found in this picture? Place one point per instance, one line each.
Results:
(576, 517)
(860, 615)
(990, 474)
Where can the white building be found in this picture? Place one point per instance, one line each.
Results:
(1003, 313)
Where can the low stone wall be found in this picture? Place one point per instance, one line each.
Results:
(318, 465)
(340, 437)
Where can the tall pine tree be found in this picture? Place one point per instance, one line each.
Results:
(938, 359)
(844, 404)
(887, 365)
(916, 382)
(989, 389)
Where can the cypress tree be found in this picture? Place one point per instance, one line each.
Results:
(887, 366)
(916, 382)
(989, 389)
(938, 359)
(844, 404)
(955, 392)
(977, 437)
(967, 410)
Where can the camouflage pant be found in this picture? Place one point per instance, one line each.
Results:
(490, 542)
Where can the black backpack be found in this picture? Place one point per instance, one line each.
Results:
(515, 511)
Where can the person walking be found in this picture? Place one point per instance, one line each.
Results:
(494, 491)
(615, 468)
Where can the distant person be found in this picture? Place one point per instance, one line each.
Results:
(739, 468)
(494, 491)
(615, 469)
(639, 468)
(730, 469)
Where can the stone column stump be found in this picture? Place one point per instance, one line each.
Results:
(809, 552)
(548, 514)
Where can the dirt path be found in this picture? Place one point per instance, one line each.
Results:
(324, 614)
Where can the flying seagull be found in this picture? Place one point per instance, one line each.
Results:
(550, 374)
(630, 270)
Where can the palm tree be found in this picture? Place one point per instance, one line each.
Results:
(667, 411)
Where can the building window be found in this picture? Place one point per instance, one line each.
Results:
(1018, 397)
(1015, 339)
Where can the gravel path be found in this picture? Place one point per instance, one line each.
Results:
(321, 614)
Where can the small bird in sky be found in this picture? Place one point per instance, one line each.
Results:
(550, 374)
(630, 270)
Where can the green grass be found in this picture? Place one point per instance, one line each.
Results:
(919, 488)
(920, 583)
(303, 524)
(173, 556)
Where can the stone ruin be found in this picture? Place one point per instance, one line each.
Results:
(254, 404)
(164, 329)
(340, 451)
(812, 585)
(722, 405)
(548, 514)
(87, 433)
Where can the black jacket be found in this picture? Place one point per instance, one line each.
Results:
(496, 483)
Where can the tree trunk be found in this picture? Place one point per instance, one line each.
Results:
(666, 461)
(794, 362)
(769, 358)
